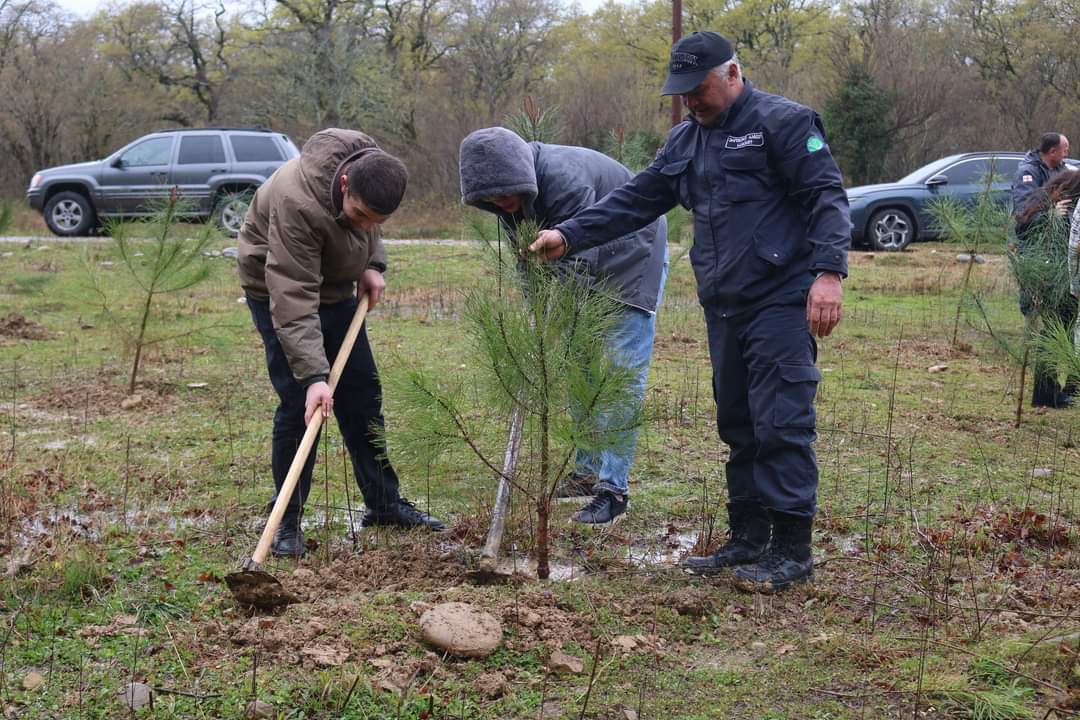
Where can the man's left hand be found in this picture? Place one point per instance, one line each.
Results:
(372, 283)
(824, 304)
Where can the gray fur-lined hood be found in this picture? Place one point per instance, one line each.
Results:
(496, 161)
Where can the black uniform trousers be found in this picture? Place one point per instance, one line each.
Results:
(764, 382)
(357, 407)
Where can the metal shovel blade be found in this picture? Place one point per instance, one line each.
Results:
(259, 589)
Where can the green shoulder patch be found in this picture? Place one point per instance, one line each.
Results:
(814, 143)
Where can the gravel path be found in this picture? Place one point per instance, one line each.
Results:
(51, 239)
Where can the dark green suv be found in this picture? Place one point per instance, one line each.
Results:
(215, 170)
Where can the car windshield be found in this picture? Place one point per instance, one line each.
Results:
(926, 171)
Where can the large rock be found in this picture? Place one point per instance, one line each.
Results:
(136, 695)
(461, 630)
(560, 662)
(32, 680)
(259, 710)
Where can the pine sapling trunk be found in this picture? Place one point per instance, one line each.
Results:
(543, 502)
(543, 508)
(139, 340)
(963, 294)
(1020, 394)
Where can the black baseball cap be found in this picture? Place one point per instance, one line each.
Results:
(691, 60)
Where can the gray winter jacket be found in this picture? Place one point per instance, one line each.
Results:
(558, 181)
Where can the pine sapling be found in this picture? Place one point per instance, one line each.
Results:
(538, 342)
(167, 263)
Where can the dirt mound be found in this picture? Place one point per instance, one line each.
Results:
(102, 397)
(314, 633)
(14, 325)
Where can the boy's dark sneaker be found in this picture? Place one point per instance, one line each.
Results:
(604, 509)
(575, 485)
(288, 540)
(403, 514)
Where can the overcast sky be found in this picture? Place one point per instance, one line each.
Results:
(85, 8)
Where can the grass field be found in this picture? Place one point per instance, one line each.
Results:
(946, 543)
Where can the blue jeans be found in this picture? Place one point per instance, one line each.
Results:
(630, 345)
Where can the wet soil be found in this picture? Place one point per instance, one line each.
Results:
(14, 325)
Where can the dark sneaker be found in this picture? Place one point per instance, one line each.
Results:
(604, 509)
(576, 485)
(288, 540)
(750, 527)
(788, 560)
(404, 514)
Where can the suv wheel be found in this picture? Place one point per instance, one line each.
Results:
(890, 230)
(69, 214)
(230, 209)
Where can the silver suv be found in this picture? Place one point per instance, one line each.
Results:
(215, 170)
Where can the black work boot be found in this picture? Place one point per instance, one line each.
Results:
(787, 561)
(750, 526)
(289, 539)
(576, 485)
(401, 514)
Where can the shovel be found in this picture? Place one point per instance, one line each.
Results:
(253, 586)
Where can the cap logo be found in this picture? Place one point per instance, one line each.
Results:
(682, 62)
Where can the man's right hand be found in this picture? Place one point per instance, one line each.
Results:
(549, 245)
(318, 398)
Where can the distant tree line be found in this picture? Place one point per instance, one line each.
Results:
(899, 82)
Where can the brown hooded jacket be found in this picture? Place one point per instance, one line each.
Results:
(297, 250)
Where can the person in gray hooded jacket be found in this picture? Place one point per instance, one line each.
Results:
(516, 180)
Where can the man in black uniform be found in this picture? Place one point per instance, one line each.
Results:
(1038, 166)
(771, 232)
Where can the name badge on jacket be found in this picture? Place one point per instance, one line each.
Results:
(754, 139)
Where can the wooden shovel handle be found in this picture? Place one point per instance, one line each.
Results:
(310, 434)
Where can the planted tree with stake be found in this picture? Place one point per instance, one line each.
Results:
(537, 344)
(169, 262)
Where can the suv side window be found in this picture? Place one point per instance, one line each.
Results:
(1005, 168)
(155, 151)
(200, 149)
(968, 172)
(255, 148)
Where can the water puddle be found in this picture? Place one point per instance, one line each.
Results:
(667, 549)
(87, 440)
(68, 523)
(849, 545)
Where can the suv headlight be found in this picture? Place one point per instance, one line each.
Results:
(35, 181)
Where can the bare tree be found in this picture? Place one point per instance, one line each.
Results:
(327, 39)
(32, 84)
(181, 45)
(503, 49)
(416, 35)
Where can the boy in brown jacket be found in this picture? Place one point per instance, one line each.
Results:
(309, 243)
